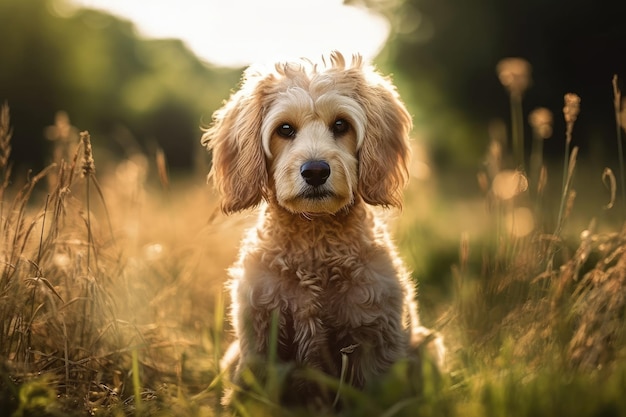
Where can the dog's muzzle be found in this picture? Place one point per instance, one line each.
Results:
(315, 173)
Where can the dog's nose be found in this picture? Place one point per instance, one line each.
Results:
(315, 173)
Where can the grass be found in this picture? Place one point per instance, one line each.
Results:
(112, 300)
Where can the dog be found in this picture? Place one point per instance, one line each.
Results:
(318, 146)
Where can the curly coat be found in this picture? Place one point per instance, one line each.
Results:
(319, 146)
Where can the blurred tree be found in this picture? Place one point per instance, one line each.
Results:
(96, 68)
(444, 54)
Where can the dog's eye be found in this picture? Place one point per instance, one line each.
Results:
(340, 127)
(285, 130)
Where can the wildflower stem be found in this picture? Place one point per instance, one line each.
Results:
(88, 169)
(43, 226)
(563, 187)
(568, 176)
(136, 383)
(89, 236)
(517, 131)
(514, 74)
(536, 161)
(571, 109)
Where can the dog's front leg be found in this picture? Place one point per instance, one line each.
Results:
(370, 320)
(254, 301)
(252, 335)
(248, 353)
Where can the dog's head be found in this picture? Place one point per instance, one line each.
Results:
(311, 138)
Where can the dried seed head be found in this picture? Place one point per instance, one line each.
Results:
(571, 107)
(88, 166)
(540, 120)
(520, 221)
(514, 74)
(569, 206)
(509, 183)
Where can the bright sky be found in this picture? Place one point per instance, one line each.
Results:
(240, 32)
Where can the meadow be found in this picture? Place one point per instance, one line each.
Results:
(112, 300)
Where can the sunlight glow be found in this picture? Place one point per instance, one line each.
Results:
(239, 32)
(520, 221)
(509, 183)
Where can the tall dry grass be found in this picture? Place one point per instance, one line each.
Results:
(58, 311)
(107, 291)
(540, 291)
(111, 297)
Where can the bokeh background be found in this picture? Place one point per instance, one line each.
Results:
(112, 294)
(132, 91)
(144, 77)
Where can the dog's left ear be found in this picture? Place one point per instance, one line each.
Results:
(385, 151)
(239, 168)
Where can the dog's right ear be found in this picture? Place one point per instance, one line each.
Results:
(238, 163)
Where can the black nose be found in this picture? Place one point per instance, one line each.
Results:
(315, 173)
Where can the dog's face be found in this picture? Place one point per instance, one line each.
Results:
(311, 139)
(311, 134)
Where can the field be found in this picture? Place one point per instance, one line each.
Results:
(112, 300)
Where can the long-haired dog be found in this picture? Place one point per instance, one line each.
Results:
(319, 146)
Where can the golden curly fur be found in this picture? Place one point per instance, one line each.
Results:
(318, 145)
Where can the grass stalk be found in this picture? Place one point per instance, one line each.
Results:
(66, 354)
(540, 120)
(617, 106)
(513, 328)
(345, 362)
(514, 74)
(536, 162)
(517, 132)
(43, 228)
(88, 170)
(5, 153)
(571, 109)
(136, 383)
(89, 234)
(218, 329)
(38, 275)
(565, 180)
(568, 177)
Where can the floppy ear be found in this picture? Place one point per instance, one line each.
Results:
(385, 152)
(238, 168)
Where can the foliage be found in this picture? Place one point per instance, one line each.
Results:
(112, 301)
(135, 94)
(444, 54)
